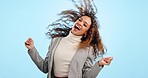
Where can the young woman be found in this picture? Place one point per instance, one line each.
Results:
(73, 49)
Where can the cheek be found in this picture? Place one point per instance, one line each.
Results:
(85, 30)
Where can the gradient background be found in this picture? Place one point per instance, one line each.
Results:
(124, 30)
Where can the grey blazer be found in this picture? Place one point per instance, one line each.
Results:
(81, 65)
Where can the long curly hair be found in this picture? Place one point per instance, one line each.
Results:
(62, 26)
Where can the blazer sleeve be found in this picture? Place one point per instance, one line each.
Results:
(41, 63)
(91, 70)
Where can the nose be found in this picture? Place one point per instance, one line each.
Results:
(80, 24)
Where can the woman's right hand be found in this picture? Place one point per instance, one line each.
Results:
(29, 44)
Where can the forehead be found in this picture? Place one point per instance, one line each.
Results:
(87, 19)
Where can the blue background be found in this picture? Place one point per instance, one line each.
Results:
(124, 25)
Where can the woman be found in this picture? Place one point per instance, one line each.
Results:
(72, 50)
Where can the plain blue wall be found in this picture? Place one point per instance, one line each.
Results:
(124, 25)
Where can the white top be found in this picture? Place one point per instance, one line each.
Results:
(64, 54)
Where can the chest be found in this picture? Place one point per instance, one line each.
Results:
(78, 59)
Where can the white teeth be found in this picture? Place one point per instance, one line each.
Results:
(78, 27)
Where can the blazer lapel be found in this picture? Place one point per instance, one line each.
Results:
(77, 63)
(55, 44)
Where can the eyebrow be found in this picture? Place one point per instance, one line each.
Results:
(84, 21)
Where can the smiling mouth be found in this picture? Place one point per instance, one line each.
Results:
(77, 27)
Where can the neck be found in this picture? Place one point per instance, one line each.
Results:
(73, 38)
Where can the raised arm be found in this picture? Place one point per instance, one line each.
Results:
(37, 59)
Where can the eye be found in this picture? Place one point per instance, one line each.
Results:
(85, 25)
(80, 19)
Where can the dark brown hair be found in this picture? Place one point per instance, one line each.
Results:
(62, 26)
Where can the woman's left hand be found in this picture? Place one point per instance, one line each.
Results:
(105, 61)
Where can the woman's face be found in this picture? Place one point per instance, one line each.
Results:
(81, 26)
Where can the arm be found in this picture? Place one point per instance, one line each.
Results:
(90, 70)
(41, 63)
(38, 60)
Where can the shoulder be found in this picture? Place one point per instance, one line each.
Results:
(55, 39)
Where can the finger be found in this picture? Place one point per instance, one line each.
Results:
(104, 62)
(108, 58)
(30, 40)
(108, 61)
(26, 43)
